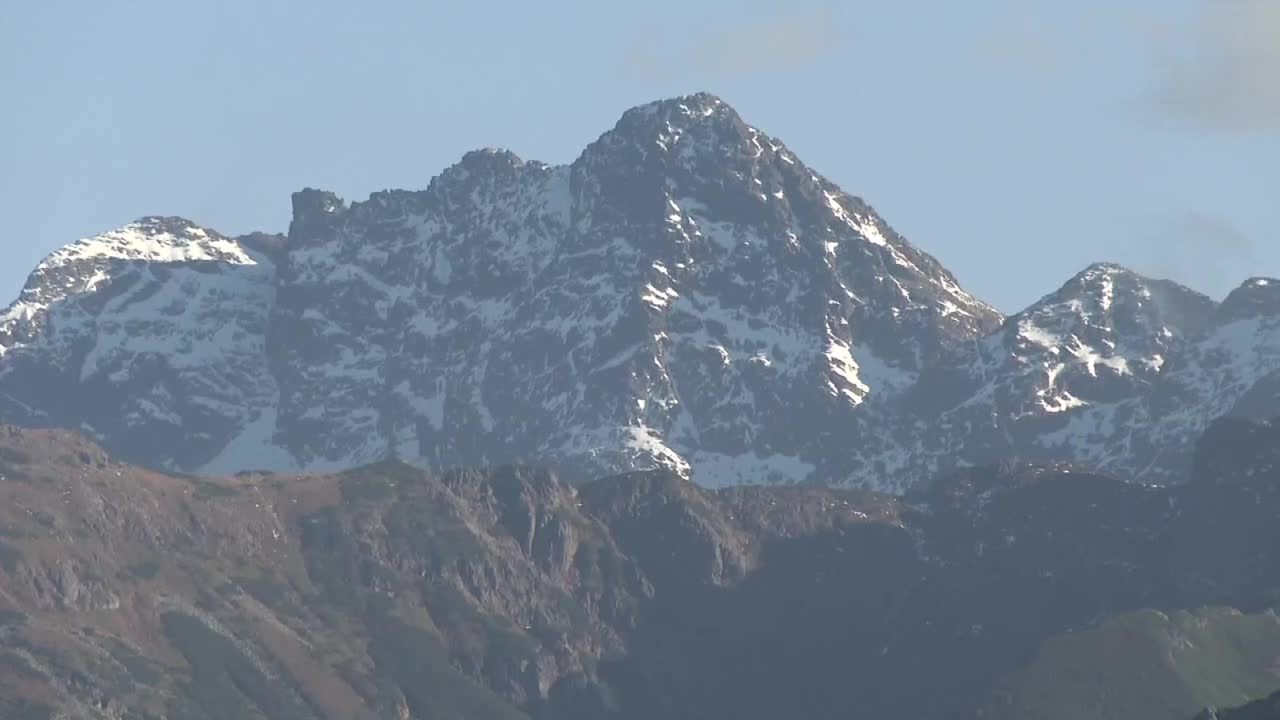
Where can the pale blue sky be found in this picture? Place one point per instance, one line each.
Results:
(1016, 140)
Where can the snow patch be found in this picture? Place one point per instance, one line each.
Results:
(841, 364)
(718, 470)
(645, 441)
(147, 242)
(881, 377)
(253, 448)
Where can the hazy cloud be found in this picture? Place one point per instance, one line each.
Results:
(1020, 36)
(1197, 249)
(756, 44)
(1215, 69)
(1222, 72)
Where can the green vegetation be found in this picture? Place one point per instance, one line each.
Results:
(433, 688)
(12, 618)
(145, 570)
(141, 670)
(1267, 708)
(13, 456)
(15, 663)
(380, 481)
(435, 531)
(264, 590)
(331, 557)
(24, 710)
(1147, 665)
(9, 557)
(225, 683)
(450, 608)
(206, 490)
(270, 592)
(13, 473)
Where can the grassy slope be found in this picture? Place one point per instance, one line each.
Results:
(1147, 665)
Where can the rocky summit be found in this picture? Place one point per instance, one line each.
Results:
(429, 456)
(687, 294)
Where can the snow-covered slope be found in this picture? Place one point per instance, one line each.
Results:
(1233, 369)
(1114, 371)
(687, 293)
(151, 337)
(1225, 369)
(1105, 335)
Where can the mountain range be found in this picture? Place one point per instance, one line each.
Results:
(678, 430)
(687, 294)
(387, 592)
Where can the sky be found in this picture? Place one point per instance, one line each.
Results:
(1016, 140)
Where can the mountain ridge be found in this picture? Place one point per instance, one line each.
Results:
(388, 591)
(686, 293)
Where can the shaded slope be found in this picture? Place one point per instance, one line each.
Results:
(392, 592)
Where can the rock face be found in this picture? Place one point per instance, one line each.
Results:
(391, 592)
(687, 294)
(1114, 371)
(152, 337)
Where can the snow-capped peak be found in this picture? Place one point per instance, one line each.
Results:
(154, 240)
(687, 293)
(1256, 296)
(1104, 325)
(695, 106)
(687, 132)
(155, 333)
(89, 264)
(1114, 300)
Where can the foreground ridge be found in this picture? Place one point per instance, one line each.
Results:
(389, 591)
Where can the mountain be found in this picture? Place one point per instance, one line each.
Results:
(687, 294)
(1146, 664)
(1114, 370)
(152, 337)
(391, 592)
(1265, 709)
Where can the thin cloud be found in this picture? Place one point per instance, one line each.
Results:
(761, 44)
(1019, 36)
(1198, 249)
(1222, 72)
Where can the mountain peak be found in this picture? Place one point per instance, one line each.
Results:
(1105, 334)
(681, 126)
(1088, 293)
(91, 268)
(694, 105)
(1104, 268)
(1256, 296)
(488, 157)
(1098, 288)
(153, 239)
(309, 200)
(487, 162)
(686, 294)
(1098, 275)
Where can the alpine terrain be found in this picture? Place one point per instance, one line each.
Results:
(678, 430)
(387, 592)
(687, 294)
